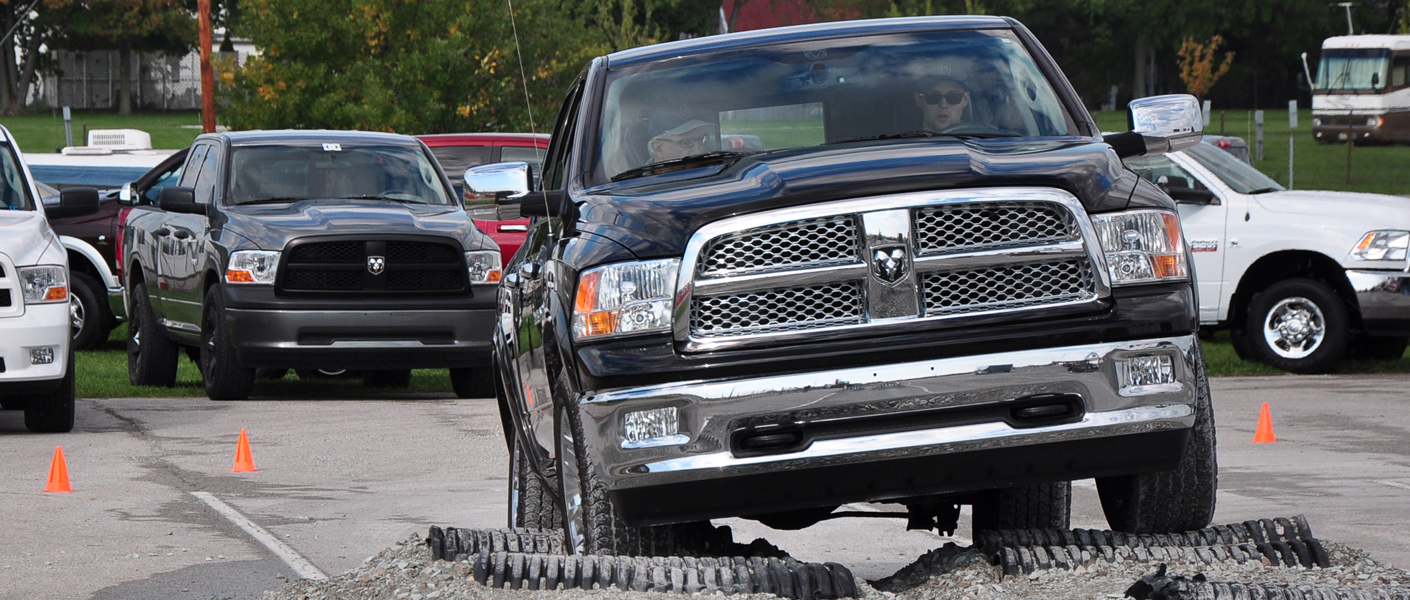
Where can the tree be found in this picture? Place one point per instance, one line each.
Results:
(122, 25)
(1197, 68)
(20, 58)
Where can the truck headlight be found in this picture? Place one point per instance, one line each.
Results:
(1373, 122)
(625, 298)
(252, 266)
(484, 266)
(42, 285)
(1382, 245)
(1142, 246)
(1316, 122)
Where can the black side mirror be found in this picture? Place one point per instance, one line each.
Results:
(180, 200)
(74, 202)
(1375, 80)
(552, 203)
(1180, 191)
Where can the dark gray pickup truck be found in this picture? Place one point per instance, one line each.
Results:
(776, 272)
(308, 249)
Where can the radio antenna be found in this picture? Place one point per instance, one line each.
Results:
(519, 52)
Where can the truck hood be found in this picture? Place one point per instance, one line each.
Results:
(272, 226)
(1382, 209)
(654, 216)
(25, 237)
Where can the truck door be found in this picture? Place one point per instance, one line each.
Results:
(1203, 223)
(176, 243)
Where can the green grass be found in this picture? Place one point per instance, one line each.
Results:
(103, 374)
(44, 132)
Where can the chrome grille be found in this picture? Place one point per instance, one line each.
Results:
(1007, 287)
(778, 310)
(792, 245)
(970, 227)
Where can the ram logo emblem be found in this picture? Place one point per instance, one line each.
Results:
(889, 263)
(376, 264)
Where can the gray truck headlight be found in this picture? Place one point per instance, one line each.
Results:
(484, 266)
(42, 285)
(252, 266)
(625, 298)
(1142, 246)
(1382, 245)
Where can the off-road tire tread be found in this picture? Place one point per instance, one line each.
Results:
(1037, 506)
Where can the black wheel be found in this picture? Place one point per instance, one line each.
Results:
(473, 382)
(1037, 506)
(89, 314)
(151, 355)
(591, 525)
(1382, 348)
(270, 373)
(13, 403)
(395, 379)
(225, 378)
(1297, 325)
(1181, 499)
(52, 412)
(531, 502)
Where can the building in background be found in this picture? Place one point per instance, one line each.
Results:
(89, 80)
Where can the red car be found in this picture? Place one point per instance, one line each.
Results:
(459, 151)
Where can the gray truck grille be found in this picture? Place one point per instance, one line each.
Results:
(998, 288)
(794, 245)
(885, 262)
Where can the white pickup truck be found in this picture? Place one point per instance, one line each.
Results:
(1300, 278)
(36, 361)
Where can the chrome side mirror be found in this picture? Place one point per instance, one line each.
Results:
(1167, 123)
(125, 194)
(493, 191)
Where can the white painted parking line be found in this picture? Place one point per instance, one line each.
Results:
(1405, 486)
(298, 563)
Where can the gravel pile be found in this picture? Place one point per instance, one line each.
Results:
(406, 572)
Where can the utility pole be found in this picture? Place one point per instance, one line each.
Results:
(207, 75)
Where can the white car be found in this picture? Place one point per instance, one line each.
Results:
(1298, 277)
(36, 362)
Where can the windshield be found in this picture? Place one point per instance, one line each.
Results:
(1352, 69)
(15, 194)
(799, 95)
(1233, 172)
(372, 172)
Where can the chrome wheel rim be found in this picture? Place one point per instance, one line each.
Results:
(1294, 328)
(514, 459)
(76, 315)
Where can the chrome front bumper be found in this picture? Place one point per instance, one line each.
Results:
(1384, 298)
(711, 412)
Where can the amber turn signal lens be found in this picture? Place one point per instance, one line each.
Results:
(56, 293)
(586, 301)
(239, 277)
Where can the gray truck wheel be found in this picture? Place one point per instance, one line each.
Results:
(225, 378)
(1038, 506)
(473, 382)
(1297, 325)
(531, 503)
(89, 314)
(151, 355)
(52, 412)
(1170, 501)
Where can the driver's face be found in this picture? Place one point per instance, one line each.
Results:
(669, 147)
(942, 105)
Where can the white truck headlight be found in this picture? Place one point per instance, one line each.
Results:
(1142, 246)
(1382, 245)
(624, 298)
(252, 266)
(484, 266)
(42, 285)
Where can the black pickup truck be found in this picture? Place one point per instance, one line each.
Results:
(307, 249)
(775, 272)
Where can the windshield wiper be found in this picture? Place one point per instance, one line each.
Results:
(272, 200)
(675, 164)
(1265, 190)
(381, 197)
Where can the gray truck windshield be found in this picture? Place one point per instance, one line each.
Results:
(14, 194)
(798, 95)
(373, 172)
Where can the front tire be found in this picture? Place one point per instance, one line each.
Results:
(1178, 500)
(52, 412)
(473, 382)
(89, 315)
(151, 355)
(1038, 506)
(1297, 325)
(531, 503)
(225, 378)
(394, 379)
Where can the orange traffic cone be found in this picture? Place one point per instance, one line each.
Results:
(1264, 434)
(58, 473)
(244, 462)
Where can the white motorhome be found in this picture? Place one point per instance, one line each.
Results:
(1362, 90)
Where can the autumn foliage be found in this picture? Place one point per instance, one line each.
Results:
(1197, 64)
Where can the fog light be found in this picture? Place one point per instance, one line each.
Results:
(1141, 375)
(651, 428)
(41, 356)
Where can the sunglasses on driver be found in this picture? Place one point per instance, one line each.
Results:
(933, 98)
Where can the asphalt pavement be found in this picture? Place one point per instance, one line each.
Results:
(340, 480)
